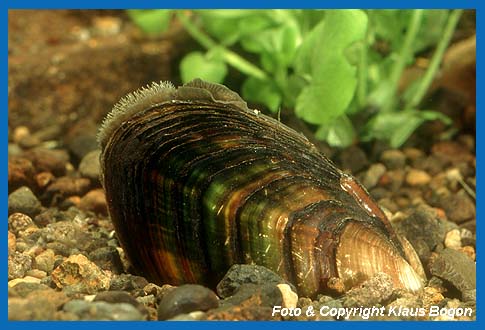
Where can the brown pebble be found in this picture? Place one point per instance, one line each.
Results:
(450, 151)
(432, 296)
(94, 201)
(18, 222)
(46, 160)
(43, 179)
(336, 284)
(20, 173)
(469, 251)
(19, 133)
(66, 186)
(417, 178)
(453, 239)
(78, 274)
(12, 242)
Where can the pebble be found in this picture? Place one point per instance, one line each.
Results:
(94, 201)
(127, 282)
(238, 275)
(89, 166)
(424, 230)
(416, 177)
(120, 297)
(458, 207)
(374, 291)
(373, 174)
(289, 297)
(41, 304)
(20, 173)
(12, 242)
(353, 159)
(393, 159)
(107, 26)
(185, 299)
(18, 222)
(107, 257)
(45, 261)
(469, 251)
(81, 144)
(24, 201)
(45, 160)
(193, 316)
(26, 279)
(453, 239)
(456, 268)
(451, 152)
(100, 310)
(19, 133)
(261, 295)
(78, 274)
(43, 179)
(37, 273)
(66, 186)
(18, 264)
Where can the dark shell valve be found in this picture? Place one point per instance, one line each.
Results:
(196, 182)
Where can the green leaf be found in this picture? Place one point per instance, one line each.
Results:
(151, 21)
(396, 127)
(340, 133)
(262, 91)
(197, 65)
(333, 77)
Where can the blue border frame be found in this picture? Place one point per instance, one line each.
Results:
(111, 4)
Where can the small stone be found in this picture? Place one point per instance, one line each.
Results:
(20, 173)
(417, 178)
(107, 257)
(456, 268)
(469, 251)
(107, 26)
(120, 297)
(66, 186)
(12, 243)
(458, 207)
(185, 299)
(373, 174)
(432, 296)
(155, 290)
(336, 284)
(94, 201)
(40, 304)
(19, 133)
(78, 274)
(46, 160)
(81, 144)
(453, 239)
(45, 261)
(24, 201)
(393, 159)
(424, 230)
(193, 316)
(100, 310)
(26, 279)
(127, 282)
(290, 298)
(241, 274)
(18, 222)
(374, 291)
(43, 179)
(18, 264)
(89, 166)
(353, 159)
(37, 273)
(451, 152)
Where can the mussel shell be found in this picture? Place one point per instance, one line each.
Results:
(196, 181)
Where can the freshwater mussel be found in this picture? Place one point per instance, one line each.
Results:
(196, 181)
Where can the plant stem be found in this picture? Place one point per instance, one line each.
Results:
(435, 60)
(362, 73)
(405, 53)
(229, 56)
